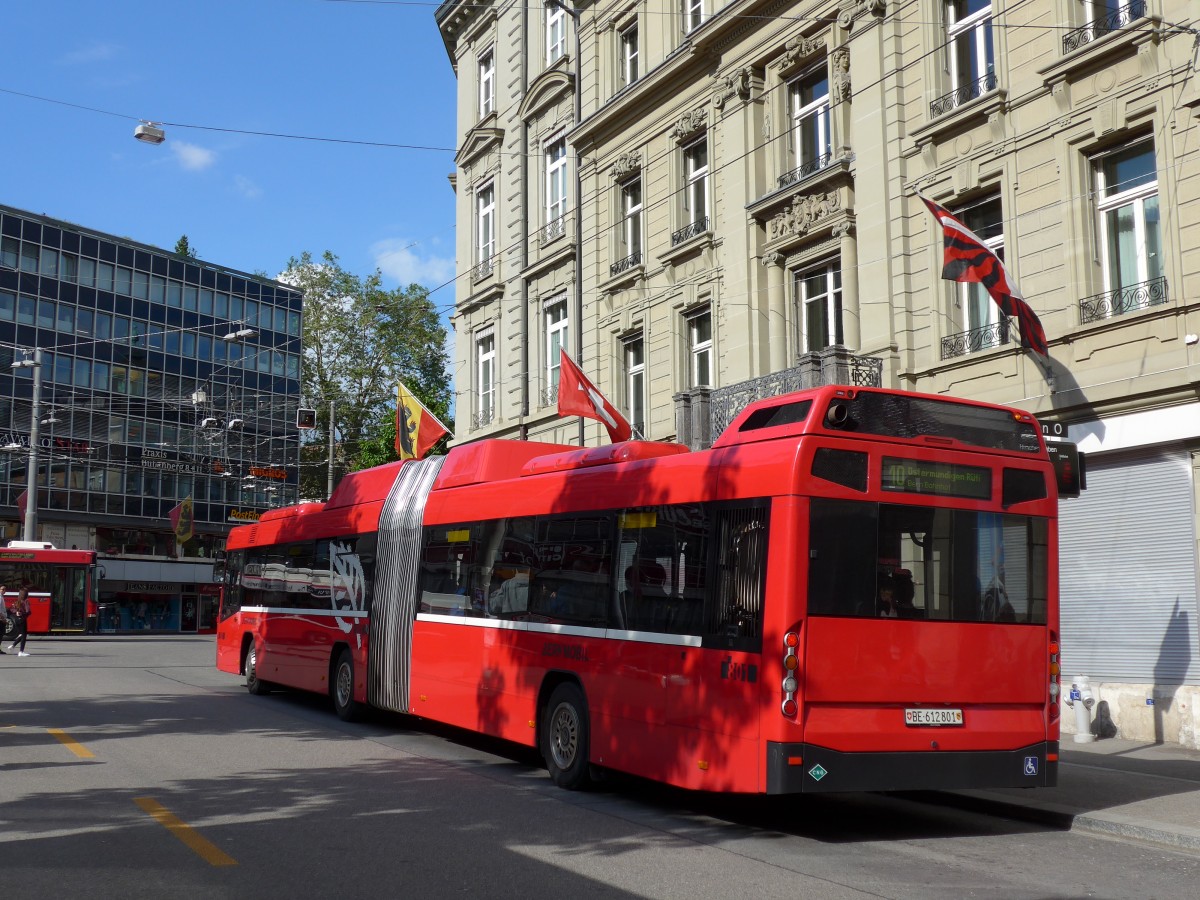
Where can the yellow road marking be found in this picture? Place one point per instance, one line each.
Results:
(71, 744)
(192, 839)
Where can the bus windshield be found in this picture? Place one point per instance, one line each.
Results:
(950, 565)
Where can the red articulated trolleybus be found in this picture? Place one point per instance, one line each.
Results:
(853, 589)
(63, 585)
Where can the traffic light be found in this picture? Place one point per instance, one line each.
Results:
(306, 418)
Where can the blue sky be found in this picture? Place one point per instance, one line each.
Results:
(356, 71)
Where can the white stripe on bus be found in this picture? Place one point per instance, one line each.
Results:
(645, 637)
(299, 611)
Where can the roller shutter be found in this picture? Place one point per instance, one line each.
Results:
(1128, 571)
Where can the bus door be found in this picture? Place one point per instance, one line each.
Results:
(926, 628)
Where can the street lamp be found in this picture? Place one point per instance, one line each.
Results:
(32, 362)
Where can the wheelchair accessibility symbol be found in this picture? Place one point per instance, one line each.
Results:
(1031, 765)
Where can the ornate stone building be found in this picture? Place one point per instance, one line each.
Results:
(730, 211)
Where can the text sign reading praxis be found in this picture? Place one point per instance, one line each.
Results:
(916, 476)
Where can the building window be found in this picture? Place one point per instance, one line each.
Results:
(986, 219)
(699, 330)
(629, 55)
(556, 34)
(485, 377)
(487, 83)
(556, 181)
(810, 125)
(635, 384)
(555, 317)
(631, 217)
(819, 300)
(695, 195)
(970, 61)
(485, 218)
(1127, 202)
(693, 15)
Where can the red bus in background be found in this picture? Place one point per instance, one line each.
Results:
(63, 585)
(852, 589)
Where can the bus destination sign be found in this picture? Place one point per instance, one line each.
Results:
(917, 476)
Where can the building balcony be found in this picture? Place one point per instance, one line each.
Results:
(1123, 300)
(624, 265)
(482, 418)
(548, 396)
(483, 270)
(976, 339)
(801, 172)
(552, 231)
(1098, 28)
(962, 95)
(683, 235)
(702, 413)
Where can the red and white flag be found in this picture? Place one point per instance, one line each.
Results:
(966, 258)
(577, 396)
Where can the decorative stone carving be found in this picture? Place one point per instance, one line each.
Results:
(736, 84)
(799, 48)
(841, 229)
(773, 258)
(766, 128)
(805, 212)
(626, 163)
(689, 124)
(851, 9)
(840, 63)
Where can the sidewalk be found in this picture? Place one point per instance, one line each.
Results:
(1148, 792)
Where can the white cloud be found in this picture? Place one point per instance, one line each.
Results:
(192, 157)
(396, 258)
(93, 53)
(246, 187)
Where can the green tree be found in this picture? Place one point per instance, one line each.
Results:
(185, 249)
(360, 339)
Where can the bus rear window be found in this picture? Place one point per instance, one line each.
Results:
(896, 415)
(874, 560)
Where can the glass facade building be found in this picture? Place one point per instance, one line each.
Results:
(163, 378)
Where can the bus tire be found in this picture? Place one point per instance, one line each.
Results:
(341, 688)
(254, 684)
(565, 738)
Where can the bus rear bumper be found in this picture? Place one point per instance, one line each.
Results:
(808, 769)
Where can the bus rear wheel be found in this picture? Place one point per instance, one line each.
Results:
(565, 738)
(341, 687)
(254, 684)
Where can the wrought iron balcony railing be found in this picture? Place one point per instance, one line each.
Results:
(994, 335)
(1123, 300)
(700, 226)
(481, 418)
(1099, 27)
(624, 265)
(554, 229)
(803, 171)
(833, 365)
(964, 94)
(483, 269)
(549, 395)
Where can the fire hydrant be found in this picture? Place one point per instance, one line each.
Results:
(1080, 697)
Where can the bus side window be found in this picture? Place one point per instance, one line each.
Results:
(843, 535)
(735, 614)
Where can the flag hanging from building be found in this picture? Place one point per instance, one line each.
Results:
(577, 396)
(417, 429)
(183, 522)
(966, 258)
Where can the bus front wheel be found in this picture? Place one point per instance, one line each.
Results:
(342, 688)
(565, 738)
(254, 684)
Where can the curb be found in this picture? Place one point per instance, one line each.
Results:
(1061, 818)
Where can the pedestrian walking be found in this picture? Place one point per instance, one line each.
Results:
(21, 622)
(3, 616)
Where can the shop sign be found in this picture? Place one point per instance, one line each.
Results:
(261, 472)
(150, 587)
(243, 515)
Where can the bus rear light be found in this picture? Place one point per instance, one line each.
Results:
(791, 640)
(790, 662)
(702, 765)
(789, 708)
(790, 685)
(1051, 757)
(1053, 690)
(795, 760)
